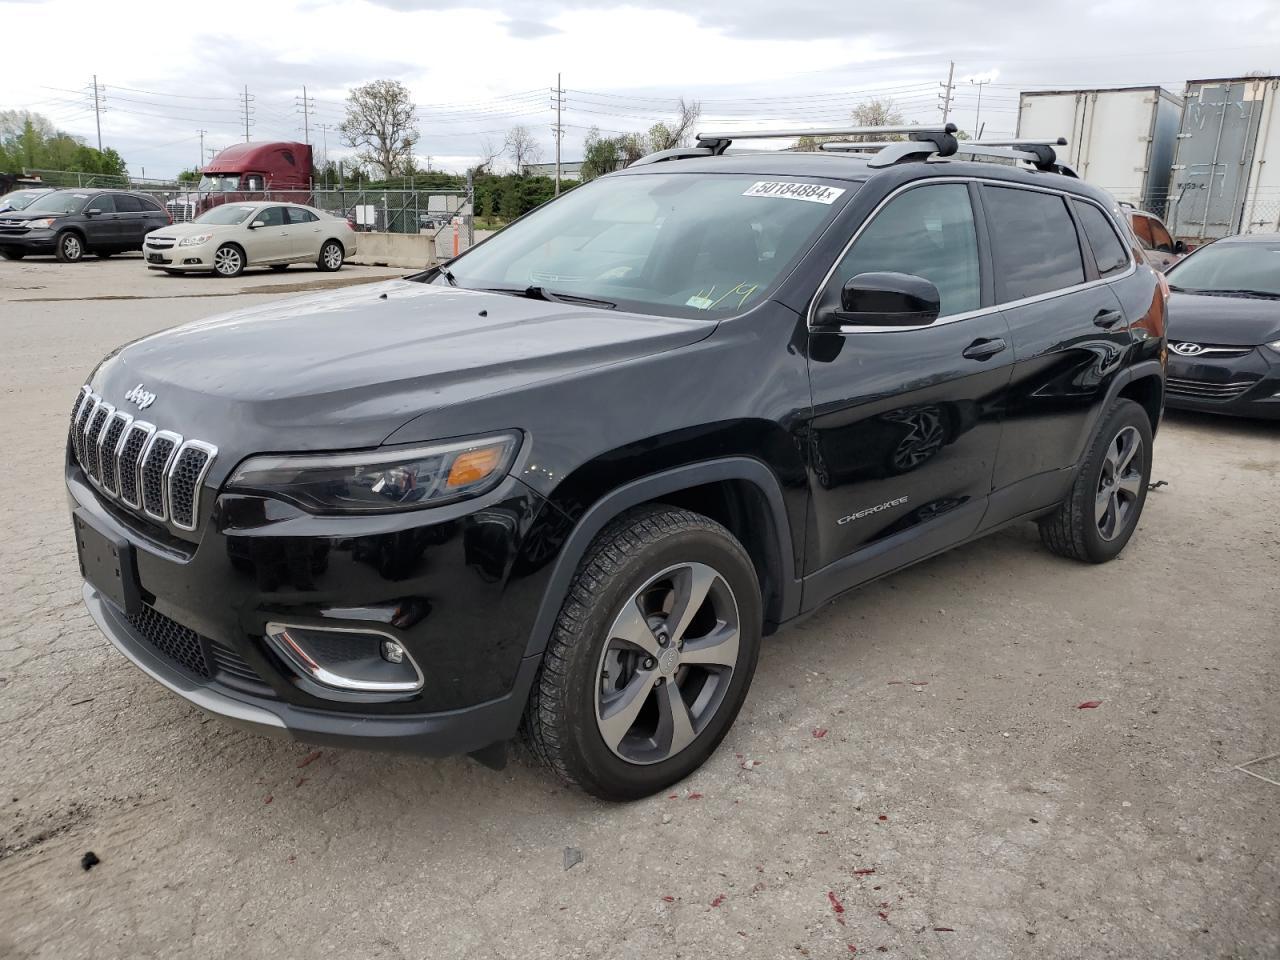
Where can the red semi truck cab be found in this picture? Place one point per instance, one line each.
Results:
(248, 171)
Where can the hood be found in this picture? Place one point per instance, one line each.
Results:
(346, 368)
(26, 214)
(180, 230)
(1223, 320)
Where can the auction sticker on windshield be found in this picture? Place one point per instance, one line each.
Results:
(789, 190)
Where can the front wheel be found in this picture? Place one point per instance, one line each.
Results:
(1099, 516)
(651, 656)
(228, 261)
(69, 248)
(331, 256)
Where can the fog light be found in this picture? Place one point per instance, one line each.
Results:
(347, 659)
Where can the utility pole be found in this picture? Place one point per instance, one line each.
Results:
(948, 93)
(977, 118)
(97, 110)
(202, 133)
(558, 130)
(247, 112)
(306, 103)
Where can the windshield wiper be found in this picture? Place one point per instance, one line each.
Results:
(448, 275)
(542, 293)
(1242, 292)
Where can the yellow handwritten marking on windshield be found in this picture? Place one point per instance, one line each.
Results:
(707, 300)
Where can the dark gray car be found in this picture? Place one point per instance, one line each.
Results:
(71, 223)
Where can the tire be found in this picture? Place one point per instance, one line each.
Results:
(13, 254)
(69, 247)
(228, 261)
(331, 256)
(279, 267)
(633, 580)
(1099, 516)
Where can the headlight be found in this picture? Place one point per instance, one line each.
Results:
(1275, 345)
(195, 241)
(42, 223)
(379, 481)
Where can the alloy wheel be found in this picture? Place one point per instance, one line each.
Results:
(333, 256)
(71, 248)
(1120, 484)
(667, 663)
(227, 261)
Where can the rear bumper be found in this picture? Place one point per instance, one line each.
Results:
(434, 734)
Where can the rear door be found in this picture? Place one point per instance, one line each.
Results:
(131, 219)
(303, 232)
(1055, 258)
(101, 228)
(906, 421)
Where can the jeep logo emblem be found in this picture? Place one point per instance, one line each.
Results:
(141, 397)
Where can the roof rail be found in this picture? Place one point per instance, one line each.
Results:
(1039, 153)
(675, 153)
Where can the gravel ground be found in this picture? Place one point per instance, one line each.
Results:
(959, 803)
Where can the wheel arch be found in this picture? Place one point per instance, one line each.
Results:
(739, 492)
(1144, 384)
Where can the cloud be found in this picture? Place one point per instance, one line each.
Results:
(530, 29)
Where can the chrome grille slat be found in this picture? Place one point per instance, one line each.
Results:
(153, 471)
(1203, 390)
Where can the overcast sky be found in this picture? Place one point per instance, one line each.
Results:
(477, 68)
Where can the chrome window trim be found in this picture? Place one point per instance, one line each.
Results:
(212, 452)
(149, 429)
(163, 515)
(335, 681)
(969, 314)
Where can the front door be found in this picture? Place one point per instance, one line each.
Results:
(267, 243)
(906, 422)
(101, 228)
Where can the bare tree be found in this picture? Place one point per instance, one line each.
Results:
(522, 147)
(489, 154)
(664, 136)
(381, 119)
(878, 112)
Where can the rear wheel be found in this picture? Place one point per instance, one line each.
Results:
(68, 247)
(331, 256)
(651, 656)
(1096, 521)
(228, 260)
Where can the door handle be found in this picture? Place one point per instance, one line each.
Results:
(984, 349)
(1107, 318)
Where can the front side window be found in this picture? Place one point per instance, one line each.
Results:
(1108, 251)
(271, 216)
(677, 244)
(926, 232)
(102, 204)
(1034, 242)
(219, 183)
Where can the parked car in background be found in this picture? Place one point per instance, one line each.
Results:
(21, 199)
(230, 237)
(1224, 328)
(72, 223)
(1159, 249)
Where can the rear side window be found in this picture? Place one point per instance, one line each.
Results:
(927, 232)
(149, 204)
(1160, 238)
(1108, 251)
(1142, 230)
(127, 204)
(298, 215)
(1036, 247)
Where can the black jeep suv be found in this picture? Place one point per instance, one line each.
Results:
(72, 223)
(565, 483)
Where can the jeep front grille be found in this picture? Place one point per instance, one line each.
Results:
(154, 471)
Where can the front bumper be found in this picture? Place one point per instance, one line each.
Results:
(29, 241)
(458, 586)
(199, 257)
(1239, 386)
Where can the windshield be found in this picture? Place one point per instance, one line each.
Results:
(1234, 266)
(228, 213)
(61, 201)
(679, 244)
(19, 199)
(219, 183)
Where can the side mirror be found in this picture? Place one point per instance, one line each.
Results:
(256, 224)
(1179, 247)
(91, 212)
(880, 300)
